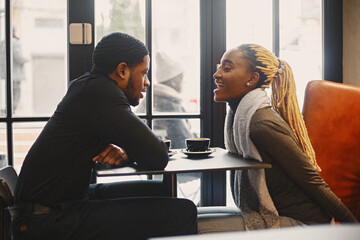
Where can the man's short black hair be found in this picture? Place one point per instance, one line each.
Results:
(115, 48)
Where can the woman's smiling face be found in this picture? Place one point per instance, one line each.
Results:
(233, 79)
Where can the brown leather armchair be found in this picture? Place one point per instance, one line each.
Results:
(332, 116)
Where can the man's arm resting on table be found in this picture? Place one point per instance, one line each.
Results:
(120, 126)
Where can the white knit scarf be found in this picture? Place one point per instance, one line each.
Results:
(250, 190)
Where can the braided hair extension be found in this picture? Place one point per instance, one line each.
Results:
(279, 75)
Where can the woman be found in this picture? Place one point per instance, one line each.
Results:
(291, 192)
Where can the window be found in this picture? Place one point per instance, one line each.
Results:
(300, 33)
(3, 145)
(190, 34)
(24, 135)
(37, 72)
(249, 22)
(3, 63)
(301, 41)
(3, 133)
(49, 23)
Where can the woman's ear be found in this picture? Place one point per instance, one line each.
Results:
(254, 79)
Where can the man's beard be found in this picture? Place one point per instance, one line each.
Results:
(130, 86)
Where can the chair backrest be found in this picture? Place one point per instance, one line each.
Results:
(8, 179)
(332, 116)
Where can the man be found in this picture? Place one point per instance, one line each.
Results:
(53, 198)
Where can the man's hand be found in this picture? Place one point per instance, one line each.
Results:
(112, 155)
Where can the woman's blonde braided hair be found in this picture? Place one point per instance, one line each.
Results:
(279, 75)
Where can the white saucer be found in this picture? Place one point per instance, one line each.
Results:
(209, 151)
(171, 153)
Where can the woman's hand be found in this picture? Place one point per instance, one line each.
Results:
(112, 155)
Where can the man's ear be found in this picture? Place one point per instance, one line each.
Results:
(121, 74)
(122, 71)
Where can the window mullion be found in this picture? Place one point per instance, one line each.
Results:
(80, 56)
(333, 40)
(9, 113)
(213, 45)
(148, 34)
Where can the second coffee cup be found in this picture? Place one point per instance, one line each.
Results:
(197, 144)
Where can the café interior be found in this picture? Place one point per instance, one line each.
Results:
(55, 39)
